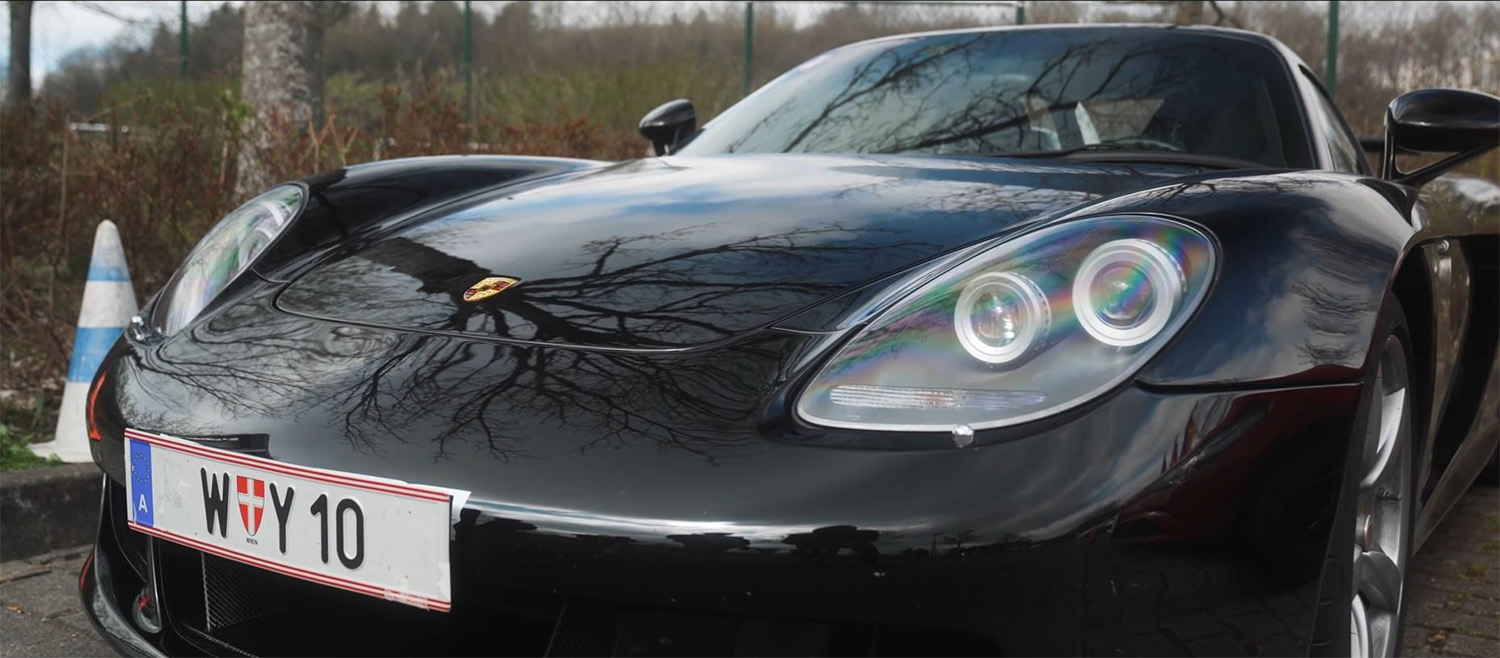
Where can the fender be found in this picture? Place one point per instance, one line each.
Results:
(349, 207)
(1305, 259)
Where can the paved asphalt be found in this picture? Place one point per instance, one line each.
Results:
(1455, 583)
(42, 615)
(1455, 592)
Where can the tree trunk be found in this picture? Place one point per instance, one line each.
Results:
(1189, 12)
(282, 82)
(19, 92)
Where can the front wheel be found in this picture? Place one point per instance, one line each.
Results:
(1375, 522)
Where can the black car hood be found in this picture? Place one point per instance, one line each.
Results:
(675, 253)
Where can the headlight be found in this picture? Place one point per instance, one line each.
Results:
(228, 250)
(1028, 328)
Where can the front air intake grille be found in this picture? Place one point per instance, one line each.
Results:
(235, 593)
(224, 607)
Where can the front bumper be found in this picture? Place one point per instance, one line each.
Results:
(1216, 552)
(98, 588)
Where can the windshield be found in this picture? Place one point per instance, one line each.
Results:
(1026, 91)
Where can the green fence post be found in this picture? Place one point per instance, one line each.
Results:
(468, 60)
(1331, 60)
(749, 47)
(182, 27)
(1020, 13)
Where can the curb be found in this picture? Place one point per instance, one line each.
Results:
(47, 509)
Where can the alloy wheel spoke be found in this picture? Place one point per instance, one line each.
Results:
(1359, 630)
(1382, 505)
(1392, 410)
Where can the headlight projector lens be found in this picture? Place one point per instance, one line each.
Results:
(1125, 292)
(1001, 316)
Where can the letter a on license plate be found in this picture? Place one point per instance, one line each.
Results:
(374, 536)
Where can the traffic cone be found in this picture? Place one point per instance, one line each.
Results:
(108, 303)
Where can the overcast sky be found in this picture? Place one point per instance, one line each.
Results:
(60, 26)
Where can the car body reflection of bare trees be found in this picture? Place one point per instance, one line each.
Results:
(727, 255)
(1324, 287)
(370, 387)
(379, 347)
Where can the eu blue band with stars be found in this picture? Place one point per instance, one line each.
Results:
(142, 507)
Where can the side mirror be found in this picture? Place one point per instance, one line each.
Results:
(670, 125)
(1465, 123)
(1374, 146)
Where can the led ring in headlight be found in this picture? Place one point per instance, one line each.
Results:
(1001, 316)
(1125, 292)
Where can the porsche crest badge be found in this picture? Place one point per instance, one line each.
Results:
(488, 287)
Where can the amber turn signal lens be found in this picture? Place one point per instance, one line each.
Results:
(93, 399)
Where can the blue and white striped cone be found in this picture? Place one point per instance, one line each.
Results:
(108, 303)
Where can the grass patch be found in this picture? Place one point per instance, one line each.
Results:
(23, 421)
(15, 454)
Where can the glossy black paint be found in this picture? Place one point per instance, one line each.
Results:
(687, 252)
(623, 419)
(349, 207)
(707, 510)
(1306, 259)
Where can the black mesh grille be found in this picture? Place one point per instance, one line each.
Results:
(583, 631)
(224, 607)
(235, 593)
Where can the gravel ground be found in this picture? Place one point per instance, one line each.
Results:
(1455, 583)
(42, 615)
(1455, 590)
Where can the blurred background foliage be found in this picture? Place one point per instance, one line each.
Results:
(117, 133)
(610, 61)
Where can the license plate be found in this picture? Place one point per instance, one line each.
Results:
(374, 536)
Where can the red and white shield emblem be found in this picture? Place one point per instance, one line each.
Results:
(252, 499)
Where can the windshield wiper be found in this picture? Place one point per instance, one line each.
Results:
(1100, 147)
(1114, 152)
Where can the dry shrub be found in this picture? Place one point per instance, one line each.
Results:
(159, 176)
(164, 172)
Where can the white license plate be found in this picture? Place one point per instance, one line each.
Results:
(374, 536)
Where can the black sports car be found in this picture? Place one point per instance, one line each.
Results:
(1087, 340)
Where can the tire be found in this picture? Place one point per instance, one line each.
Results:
(1362, 607)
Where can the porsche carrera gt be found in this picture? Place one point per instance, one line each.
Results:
(1022, 341)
